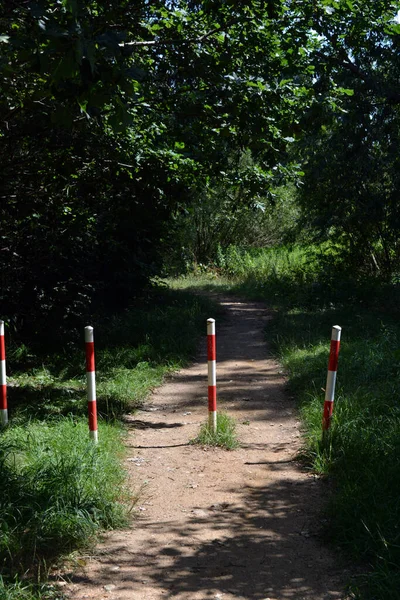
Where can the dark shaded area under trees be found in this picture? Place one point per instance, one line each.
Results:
(122, 123)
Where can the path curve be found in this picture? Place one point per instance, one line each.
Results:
(215, 524)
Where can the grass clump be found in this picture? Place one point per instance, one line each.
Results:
(225, 435)
(28, 591)
(58, 490)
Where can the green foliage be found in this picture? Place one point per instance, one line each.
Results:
(28, 591)
(113, 117)
(226, 213)
(287, 274)
(58, 489)
(350, 188)
(83, 245)
(117, 117)
(224, 436)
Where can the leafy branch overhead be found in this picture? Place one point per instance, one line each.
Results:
(112, 61)
(117, 116)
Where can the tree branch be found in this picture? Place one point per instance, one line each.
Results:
(391, 96)
(197, 40)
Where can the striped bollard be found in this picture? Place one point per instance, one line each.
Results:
(331, 378)
(3, 378)
(91, 383)
(212, 375)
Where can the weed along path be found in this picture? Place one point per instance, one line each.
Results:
(211, 523)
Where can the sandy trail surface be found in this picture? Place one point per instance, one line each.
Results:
(212, 523)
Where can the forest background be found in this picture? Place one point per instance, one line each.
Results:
(149, 139)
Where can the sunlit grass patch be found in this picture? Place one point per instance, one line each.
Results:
(17, 590)
(225, 435)
(58, 490)
(200, 280)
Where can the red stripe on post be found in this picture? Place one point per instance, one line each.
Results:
(326, 419)
(92, 412)
(212, 398)
(2, 348)
(334, 355)
(3, 397)
(90, 357)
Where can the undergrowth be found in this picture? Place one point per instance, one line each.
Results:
(363, 453)
(58, 490)
(134, 351)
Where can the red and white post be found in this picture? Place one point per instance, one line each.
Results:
(3, 379)
(331, 378)
(91, 383)
(212, 375)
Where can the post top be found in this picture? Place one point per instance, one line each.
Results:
(210, 320)
(89, 333)
(336, 333)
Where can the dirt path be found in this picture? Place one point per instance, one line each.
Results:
(211, 523)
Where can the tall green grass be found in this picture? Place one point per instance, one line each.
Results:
(58, 490)
(17, 590)
(310, 293)
(363, 450)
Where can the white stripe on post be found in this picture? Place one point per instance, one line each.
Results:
(3, 378)
(212, 375)
(91, 383)
(331, 377)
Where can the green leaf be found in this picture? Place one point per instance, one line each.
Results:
(71, 6)
(393, 29)
(83, 104)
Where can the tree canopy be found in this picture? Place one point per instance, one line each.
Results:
(117, 115)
